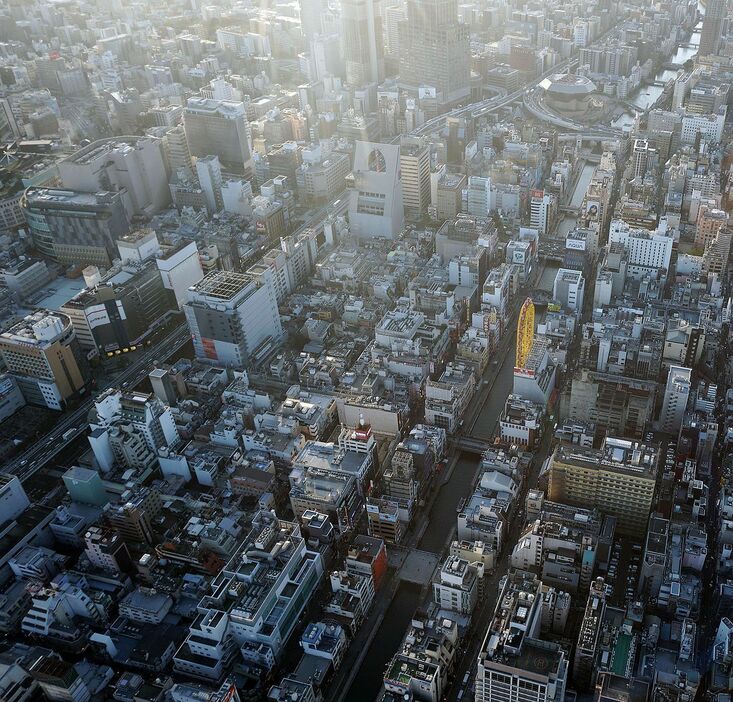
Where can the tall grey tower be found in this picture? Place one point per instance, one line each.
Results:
(435, 50)
(712, 27)
(362, 25)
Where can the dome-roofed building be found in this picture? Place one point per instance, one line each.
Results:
(568, 92)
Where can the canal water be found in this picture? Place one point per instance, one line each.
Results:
(368, 681)
(649, 94)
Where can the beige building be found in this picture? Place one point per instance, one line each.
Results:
(618, 479)
(43, 355)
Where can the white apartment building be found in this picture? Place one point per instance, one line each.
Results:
(648, 252)
(456, 585)
(569, 289)
(479, 199)
(541, 211)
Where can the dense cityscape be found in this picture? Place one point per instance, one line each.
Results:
(366, 351)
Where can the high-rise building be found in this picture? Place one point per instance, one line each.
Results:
(230, 316)
(43, 355)
(717, 252)
(478, 196)
(709, 220)
(376, 206)
(75, 227)
(311, 12)
(362, 26)
(208, 170)
(619, 479)
(219, 128)
(641, 157)
(393, 15)
(434, 51)
(712, 27)
(125, 307)
(676, 394)
(415, 166)
(176, 149)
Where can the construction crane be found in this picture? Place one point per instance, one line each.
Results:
(525, 333)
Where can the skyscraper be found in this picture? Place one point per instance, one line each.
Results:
(208, 170)
(230, 315)
(415, 166)
(712, 27)
(363, 41)
(434, 50)
(676, 394)
(219, 128)
(310, 17)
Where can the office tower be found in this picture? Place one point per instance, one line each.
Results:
(514, 662)
(376, 206)
(176, 149)
(461, 131)
(134, 166)
(208, 170)
(717, 252)
(75, 227)
(325, 58)
(569, 288)
(641, 157)
(230, 316)
(219, 128)
(709, 221)
(393, 15)
(478, 196)
(434, 51)
(310, 17)
(586, 650)
(618, 479)
(180, 268)
(712, 27)
(363, 41)
(542, 210)
(43, 355)
(676, 394)
(415, 166)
